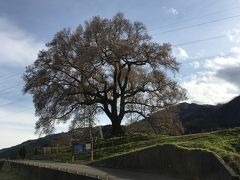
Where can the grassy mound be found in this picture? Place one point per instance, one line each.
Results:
(225, 143)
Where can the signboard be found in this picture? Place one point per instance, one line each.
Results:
(88, 146)
(81, 147)
(78, 148)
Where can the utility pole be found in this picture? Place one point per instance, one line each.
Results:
(91, 137)
(72, 145)
(101, 133)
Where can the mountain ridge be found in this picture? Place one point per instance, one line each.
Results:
(198, 118)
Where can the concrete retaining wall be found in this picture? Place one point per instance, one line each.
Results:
(40, 173)
(169, 159)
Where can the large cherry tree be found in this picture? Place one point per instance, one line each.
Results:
(107, 66)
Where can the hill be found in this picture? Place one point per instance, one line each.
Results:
(191, 118)
(62, 139)
(195, 118)
(225, 143)
(201, 118)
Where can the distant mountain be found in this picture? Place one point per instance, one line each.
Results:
(193, 118)
(197, 118)
(49, 140)
(61, 139)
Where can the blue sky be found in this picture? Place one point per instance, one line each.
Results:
(205, 36)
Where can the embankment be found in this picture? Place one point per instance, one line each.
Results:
(194, 164)
(39, 173)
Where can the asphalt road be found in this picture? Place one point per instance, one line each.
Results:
(101, 173)
(10, 176)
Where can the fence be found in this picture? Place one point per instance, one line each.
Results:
(51, 150)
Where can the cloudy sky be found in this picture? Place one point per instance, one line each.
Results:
(205, 36)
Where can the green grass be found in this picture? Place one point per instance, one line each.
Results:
(225, 143)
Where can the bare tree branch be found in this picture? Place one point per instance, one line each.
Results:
(110, 66)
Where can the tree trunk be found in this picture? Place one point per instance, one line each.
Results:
(117, 129)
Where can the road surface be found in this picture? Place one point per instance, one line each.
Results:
(101, 173)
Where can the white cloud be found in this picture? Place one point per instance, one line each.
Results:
(171, 10)
(221, 62)
(195, 64)
(211, 84)
(17, 47)
(234, 35)
(181, 54)
(235, 50)
(206, 88)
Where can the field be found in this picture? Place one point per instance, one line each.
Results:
(225, 143)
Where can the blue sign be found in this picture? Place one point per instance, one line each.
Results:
(79, 148)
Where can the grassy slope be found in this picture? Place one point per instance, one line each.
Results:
(225, 143)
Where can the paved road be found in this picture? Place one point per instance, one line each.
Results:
(10, 176)
(101, 173)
